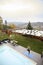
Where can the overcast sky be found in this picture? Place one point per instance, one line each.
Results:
(22, 10)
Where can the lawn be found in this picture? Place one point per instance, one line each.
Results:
(35, 44)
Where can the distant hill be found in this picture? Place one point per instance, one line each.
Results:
(16, 23)
(36, 25)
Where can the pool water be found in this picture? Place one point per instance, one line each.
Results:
(9, 56)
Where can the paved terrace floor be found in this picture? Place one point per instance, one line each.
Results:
(33, 55)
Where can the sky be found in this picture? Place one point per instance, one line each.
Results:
(21, 10)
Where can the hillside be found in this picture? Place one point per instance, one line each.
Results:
(36, 25)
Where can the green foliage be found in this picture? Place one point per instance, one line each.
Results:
(0, 25)
(1, 21)
(29, 26)
(6, 27)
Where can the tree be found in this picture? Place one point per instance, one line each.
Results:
(1, 21)
(12, 26)
(5, 22)
(5, 27)
(29, 27)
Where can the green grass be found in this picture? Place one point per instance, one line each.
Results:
(35, 44)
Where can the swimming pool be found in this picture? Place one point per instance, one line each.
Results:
(9, 56)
